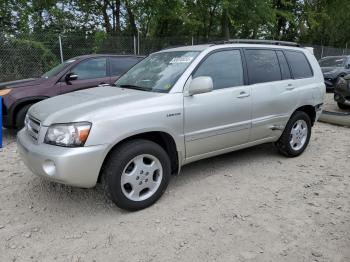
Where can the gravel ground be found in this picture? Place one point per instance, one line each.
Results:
(250, 205)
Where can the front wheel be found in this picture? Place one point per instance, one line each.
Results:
(136, 174)
(296, 135)
(21, 115)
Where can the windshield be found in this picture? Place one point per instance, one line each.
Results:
(57, 69)
(158, 72)
(332, 62)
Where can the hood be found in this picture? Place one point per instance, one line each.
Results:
(23, 83)
(83, 105)
(328, 69)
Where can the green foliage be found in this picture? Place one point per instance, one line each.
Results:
(315, 21)
(17, 54)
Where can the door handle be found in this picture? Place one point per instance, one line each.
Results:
(290, 87)
(243, 94)
(103, 84)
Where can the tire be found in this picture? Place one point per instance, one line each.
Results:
(19, 123)
(342, 106)
(131, 162)
(301, 135)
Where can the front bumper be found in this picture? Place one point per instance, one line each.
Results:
(72, 166)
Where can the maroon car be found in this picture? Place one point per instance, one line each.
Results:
(74, 74)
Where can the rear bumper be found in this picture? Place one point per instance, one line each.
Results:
(72, 166)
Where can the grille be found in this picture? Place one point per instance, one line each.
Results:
(33, 127)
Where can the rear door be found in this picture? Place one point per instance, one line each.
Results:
(274, 93)
(91, 73)
(219, 119)
(119, 65)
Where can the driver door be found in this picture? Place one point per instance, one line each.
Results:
(220, 119)
(91, 73)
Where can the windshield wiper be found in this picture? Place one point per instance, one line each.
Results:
(136, 87)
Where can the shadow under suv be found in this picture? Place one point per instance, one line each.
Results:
(74, 74)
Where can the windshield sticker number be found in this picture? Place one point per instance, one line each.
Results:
(179, 60)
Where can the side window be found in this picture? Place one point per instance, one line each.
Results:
(224, 67)
(283, 65)
(299, 64)
(262, 66)
(119, 65)
(91, 68)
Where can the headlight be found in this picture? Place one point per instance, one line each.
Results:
(68, 135)
(4, 92)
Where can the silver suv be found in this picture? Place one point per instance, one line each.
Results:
(174, 107)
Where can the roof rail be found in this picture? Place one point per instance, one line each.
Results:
(257, 41)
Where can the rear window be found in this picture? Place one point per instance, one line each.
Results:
(299, 65)
(119, 65)
(262, 66)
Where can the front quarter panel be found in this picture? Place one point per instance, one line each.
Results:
(161, 113)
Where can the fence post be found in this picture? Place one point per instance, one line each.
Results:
(322, 52)
(134, 45)
(346, 49)
(138, 41)
(0, 122)
(60, 43)
(192, 40)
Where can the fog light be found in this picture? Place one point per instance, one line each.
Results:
(49, 167)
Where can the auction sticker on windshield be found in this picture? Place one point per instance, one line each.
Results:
(178, 60)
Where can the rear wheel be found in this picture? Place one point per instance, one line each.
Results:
(296, 135)
(136, 174)
(342, 106)
(21, 115)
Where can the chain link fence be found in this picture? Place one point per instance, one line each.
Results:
(29, 57)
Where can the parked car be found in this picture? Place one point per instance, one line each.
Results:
(74, 74)
(174, 107)
(334, 67)
(342, 92)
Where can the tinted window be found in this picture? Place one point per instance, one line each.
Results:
(336, 61)
(92, 68)
(262, 66)
(119, 65)
(299, 64)
(283, 65)
(57, 69)
(224, 67)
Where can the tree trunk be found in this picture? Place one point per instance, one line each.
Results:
(131, 17)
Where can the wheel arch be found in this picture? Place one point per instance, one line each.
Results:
(164, 139)
(310, 111)
(21, 103)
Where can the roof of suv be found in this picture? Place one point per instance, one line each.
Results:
(103, 55)
(240, 42)
(204, 47)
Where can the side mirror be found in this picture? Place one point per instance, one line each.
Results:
(200, 85)
(71, 77)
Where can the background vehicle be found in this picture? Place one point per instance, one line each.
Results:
(334, 67)
(175, 107)
(342, 92)
(74, 74)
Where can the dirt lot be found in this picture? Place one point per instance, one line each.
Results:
(251, 205)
